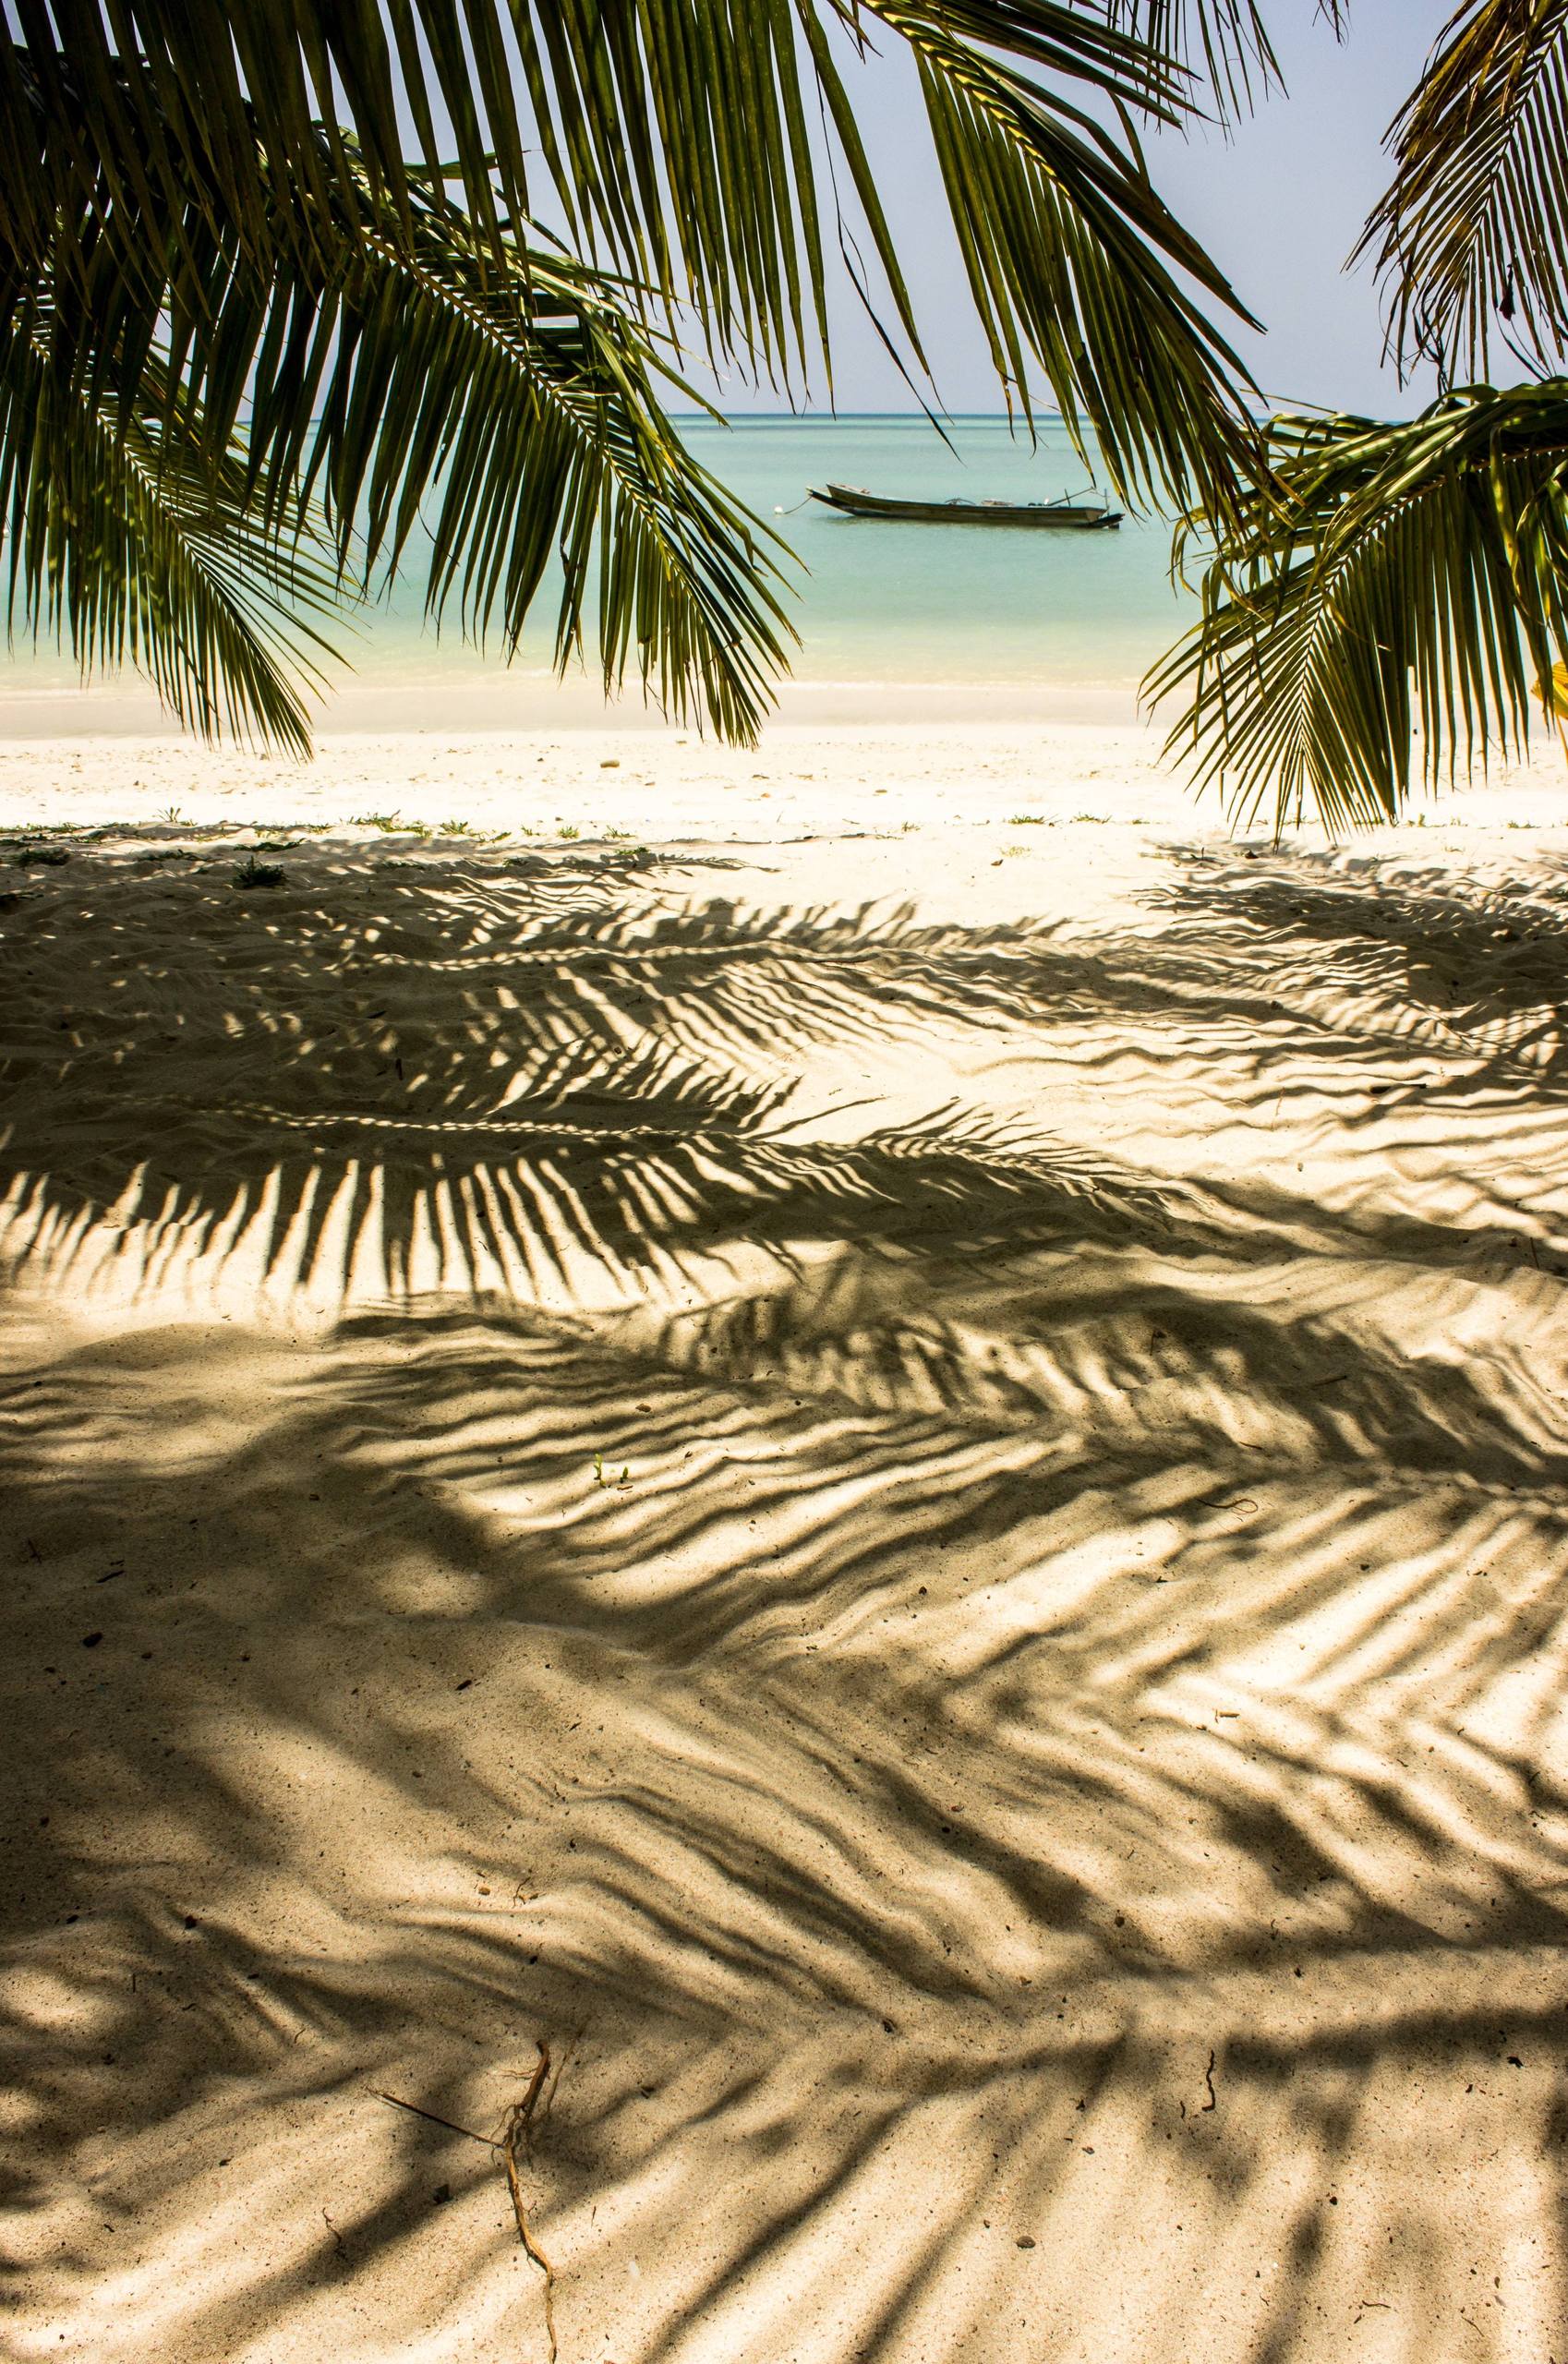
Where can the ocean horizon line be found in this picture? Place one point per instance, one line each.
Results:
(838, 417)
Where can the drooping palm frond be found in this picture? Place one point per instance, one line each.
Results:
(1224, 42)
(123, 542)
(685, 149)
(390, 364)
(1058, 228)
(1221, 49)
(676, 139)
(1473, 231)
(1385, 575)
(232, 243)
(518, 419)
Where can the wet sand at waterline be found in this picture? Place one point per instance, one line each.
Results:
(894, 1475)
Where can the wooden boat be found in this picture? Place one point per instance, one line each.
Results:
(1083, 517)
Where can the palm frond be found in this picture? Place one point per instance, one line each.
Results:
(1065, 245)
(122, 541)
(684, 147)
(396, 362)
(517, 416)
(1473, 230)
(1385, 575)
(676, 139)
(1225, 43)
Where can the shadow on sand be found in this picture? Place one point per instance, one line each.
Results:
(995, 1695)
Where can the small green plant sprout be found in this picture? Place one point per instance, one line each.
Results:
(569, 829)
(172, 812)
(1025, 820)
(385, 822)
(603, 1477)
(252, 873)
(475, 836)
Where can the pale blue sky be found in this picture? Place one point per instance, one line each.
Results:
(1279, 202)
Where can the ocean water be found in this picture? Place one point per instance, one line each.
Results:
(933, 603)
(880, 609)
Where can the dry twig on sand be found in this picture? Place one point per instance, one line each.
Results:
(518, 2126)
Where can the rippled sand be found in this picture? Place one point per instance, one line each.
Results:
(903, 1492)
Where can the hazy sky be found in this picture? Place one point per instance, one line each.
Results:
(1279, 203)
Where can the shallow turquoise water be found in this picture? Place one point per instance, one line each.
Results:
(875, 604)
(935, 603)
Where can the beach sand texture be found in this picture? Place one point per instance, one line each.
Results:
(893, 1475)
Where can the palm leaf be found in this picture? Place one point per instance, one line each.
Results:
(1222, 46)
(518, 417)
(675, 138)
(396, 361)
(1062, 236)
(1223, 42)
(1474, 227)
(1070, 200)
(240, 263)
(1386, 574)
(120, 547)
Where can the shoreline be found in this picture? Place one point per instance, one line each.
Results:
(494, 703)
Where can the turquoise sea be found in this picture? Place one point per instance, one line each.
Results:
(879, 607)
(950, 603)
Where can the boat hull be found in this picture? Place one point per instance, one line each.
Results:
(1051, 516)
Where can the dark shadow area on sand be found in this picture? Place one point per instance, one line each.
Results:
(993, 1689)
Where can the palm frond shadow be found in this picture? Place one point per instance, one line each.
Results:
(488, 1082)
(979, 1693)
(483, 1088)
(1482, 964)
(807, 1862)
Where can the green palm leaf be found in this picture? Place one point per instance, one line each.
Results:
(519, 417)
(1061, 234)
(240, 259)
(1384, 575)
(118, 542)
(398, 362)
(1474, 227)
(678, 137)
(1225, 42)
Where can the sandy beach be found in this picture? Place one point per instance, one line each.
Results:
(863, 1448)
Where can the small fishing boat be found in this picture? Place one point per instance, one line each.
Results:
(1082, 517)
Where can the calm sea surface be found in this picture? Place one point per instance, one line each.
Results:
(876, 604)
(950, 603)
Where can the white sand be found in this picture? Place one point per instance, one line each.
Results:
(893, 1474)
